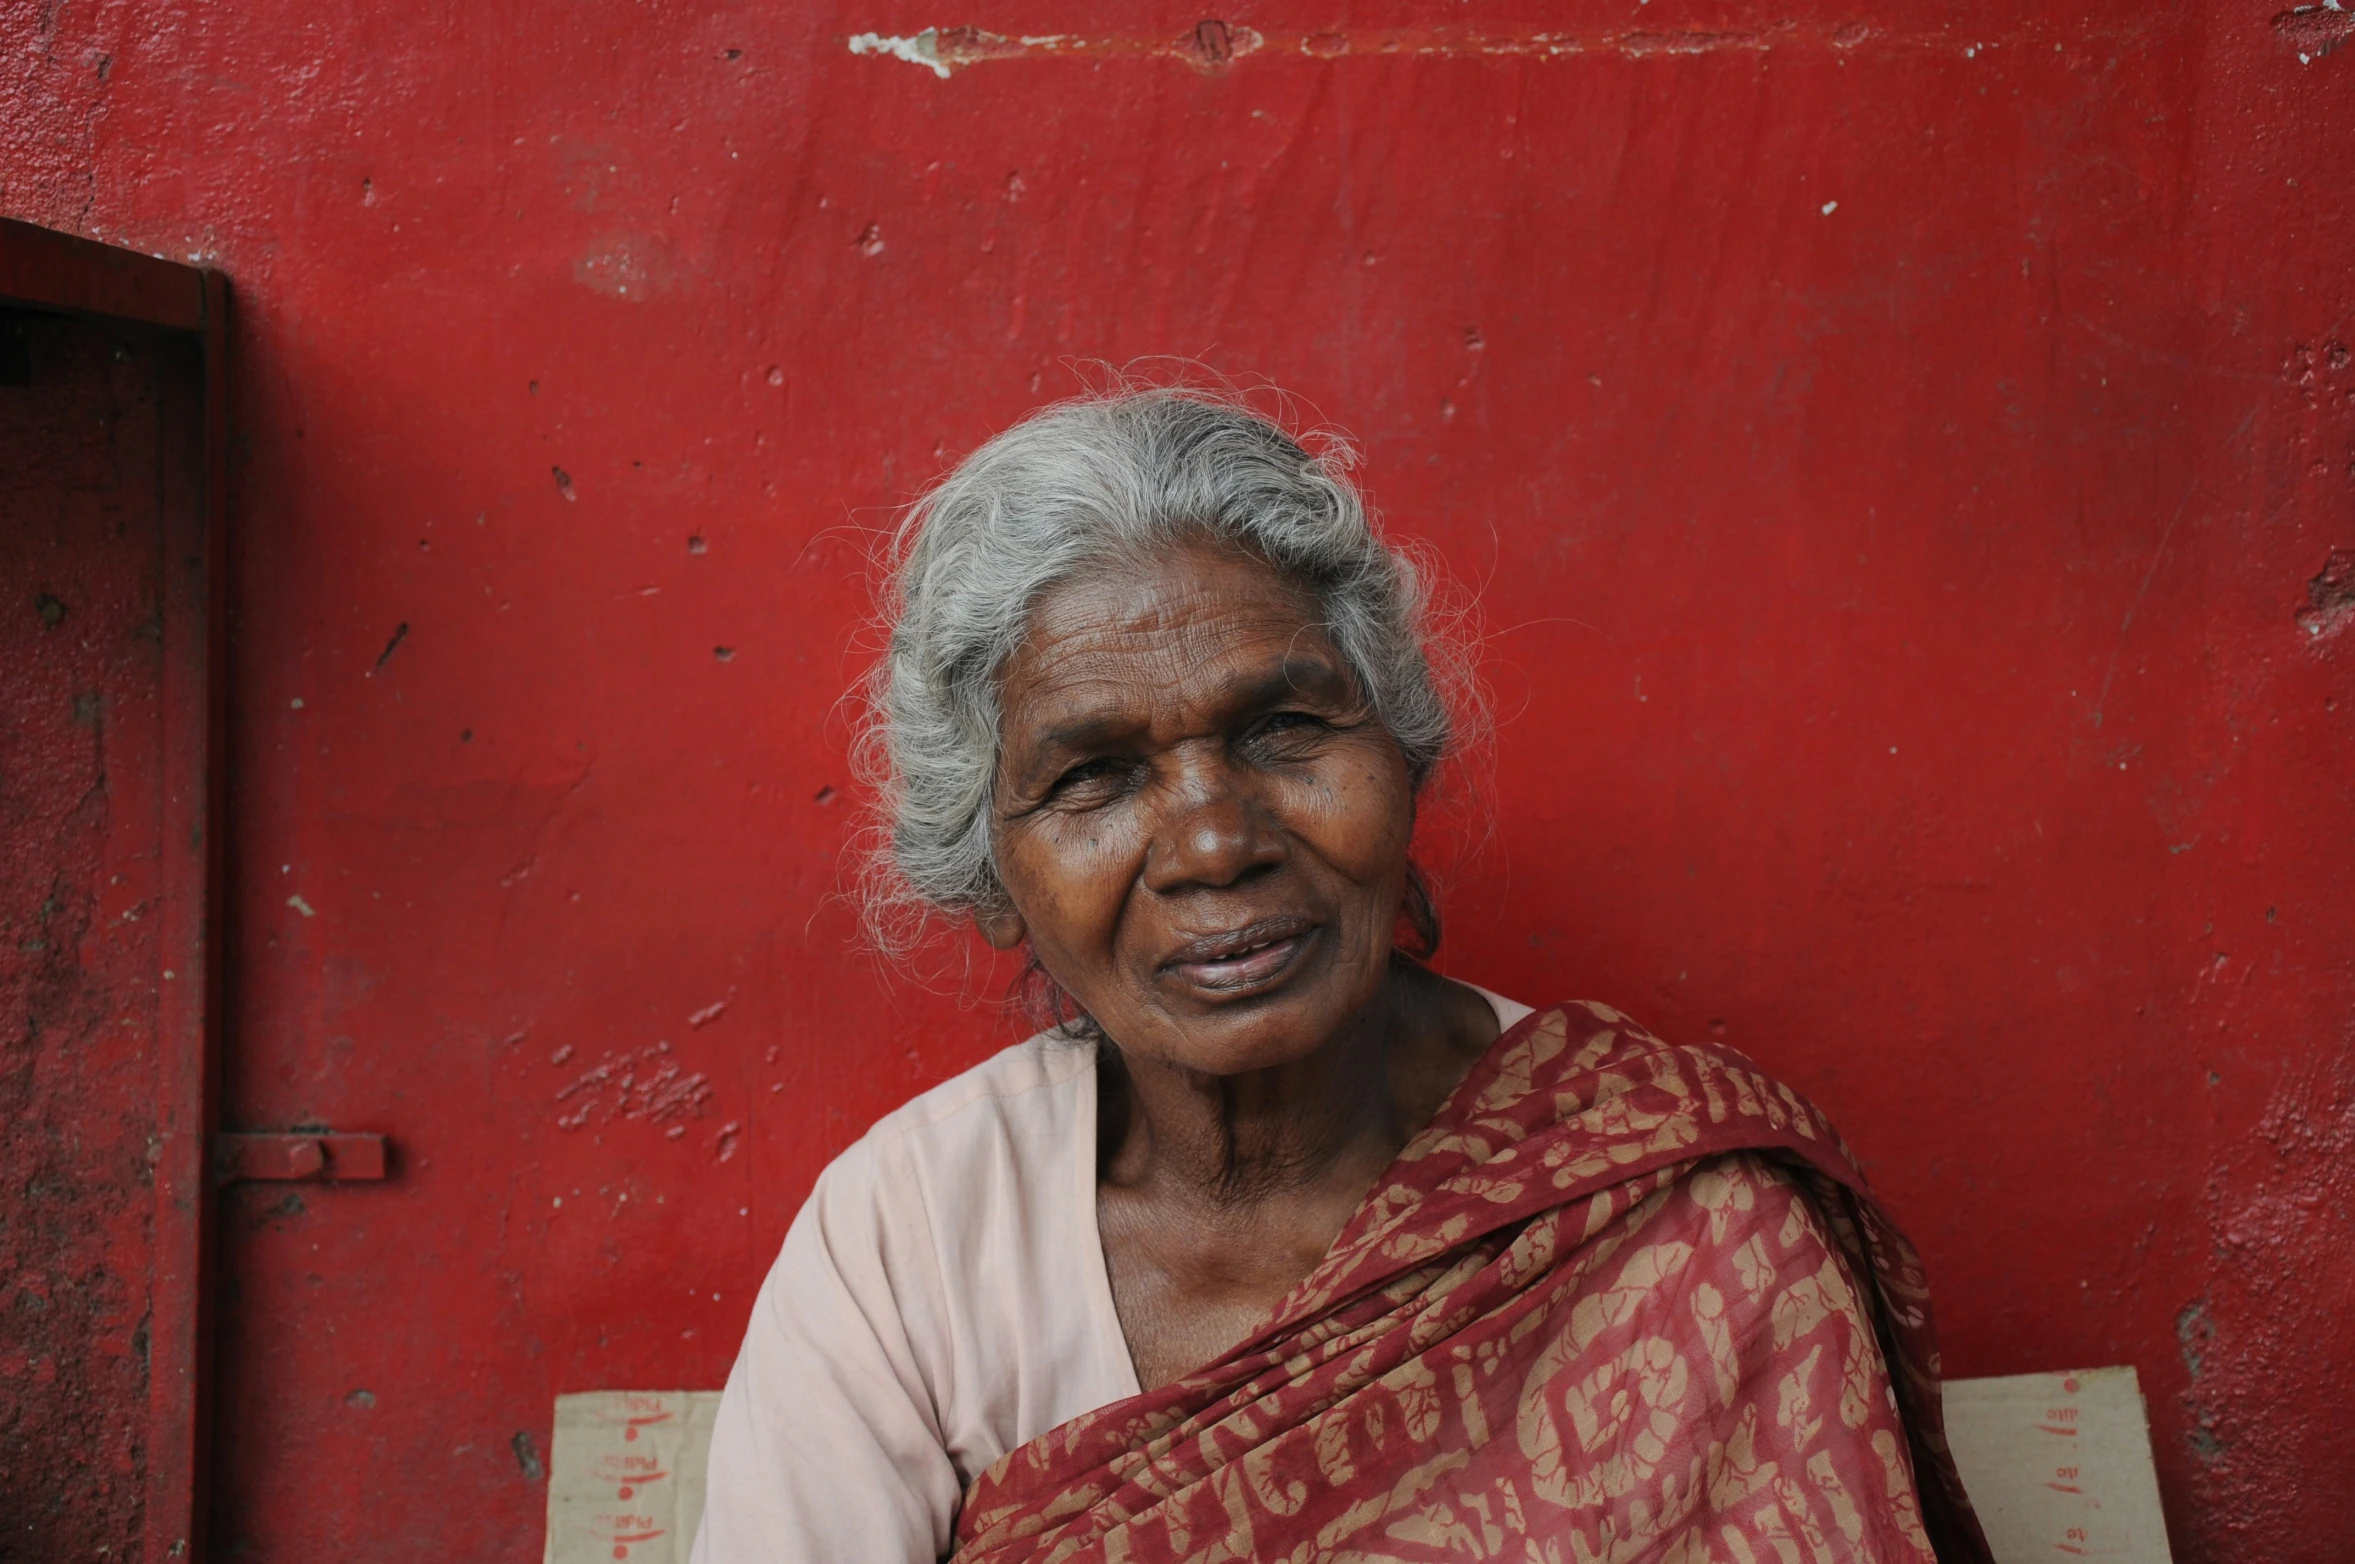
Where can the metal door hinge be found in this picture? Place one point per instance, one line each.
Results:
(325, 1155)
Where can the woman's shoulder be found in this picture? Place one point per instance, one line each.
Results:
(979, 1159)
(1022, 1102)
(1591, 1093)
(1018, 1080)
(1587, 1041)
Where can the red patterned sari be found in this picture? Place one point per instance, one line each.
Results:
(1617, 1301)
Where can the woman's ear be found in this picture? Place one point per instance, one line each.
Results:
(1002, 927)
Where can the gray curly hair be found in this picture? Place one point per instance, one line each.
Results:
(1102, 479)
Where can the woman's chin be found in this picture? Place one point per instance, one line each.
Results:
(1266, 1031)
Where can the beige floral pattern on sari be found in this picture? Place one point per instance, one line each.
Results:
(1618, 1301)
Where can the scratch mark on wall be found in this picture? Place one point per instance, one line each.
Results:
(2127, 623)
(400, 634)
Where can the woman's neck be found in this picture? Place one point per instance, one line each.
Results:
(1216, 1194)
(1326, 1122)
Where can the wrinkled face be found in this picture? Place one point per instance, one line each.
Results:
(1201, 826)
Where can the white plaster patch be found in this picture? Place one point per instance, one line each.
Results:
(923, 49)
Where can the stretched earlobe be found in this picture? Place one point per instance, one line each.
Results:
(1003, 928)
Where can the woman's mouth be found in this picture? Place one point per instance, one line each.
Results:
(1245, 959)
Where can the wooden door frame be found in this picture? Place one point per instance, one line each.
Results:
(60, 273)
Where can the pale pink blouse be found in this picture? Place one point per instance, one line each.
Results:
(941, 1299)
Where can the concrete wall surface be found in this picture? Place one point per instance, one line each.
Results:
(1904, 454)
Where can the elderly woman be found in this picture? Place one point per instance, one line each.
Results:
(1281, 1246)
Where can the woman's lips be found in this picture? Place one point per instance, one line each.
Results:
(1245, 959)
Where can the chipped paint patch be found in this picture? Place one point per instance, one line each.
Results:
(645, 1084)
(2315, 30)
(2330, 597)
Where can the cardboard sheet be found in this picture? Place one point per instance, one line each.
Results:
(2059, 1466)
(625, 1475)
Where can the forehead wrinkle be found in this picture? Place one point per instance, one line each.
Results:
(1097, 662)
(1192, 674)
(1096, 602)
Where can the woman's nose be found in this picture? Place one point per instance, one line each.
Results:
(1212, 833)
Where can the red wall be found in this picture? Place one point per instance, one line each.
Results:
(1896, 605)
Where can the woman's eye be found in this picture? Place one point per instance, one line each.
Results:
(1084, 774)
(1287, 725)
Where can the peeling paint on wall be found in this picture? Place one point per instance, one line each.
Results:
(645, 1083)
(1213, 45)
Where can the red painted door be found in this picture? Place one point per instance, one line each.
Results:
(110, 531)
(1902, 453)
